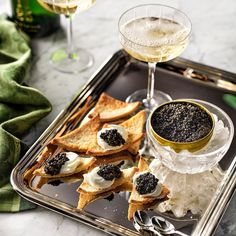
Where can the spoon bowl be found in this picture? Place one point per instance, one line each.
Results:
(143, 224)
(164, 226)
(142, 219)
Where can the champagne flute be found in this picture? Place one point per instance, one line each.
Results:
(69, 59)
(153, 33)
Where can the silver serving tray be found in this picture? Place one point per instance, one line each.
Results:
(120, 75)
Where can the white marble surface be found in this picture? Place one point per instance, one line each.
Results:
(213, 42)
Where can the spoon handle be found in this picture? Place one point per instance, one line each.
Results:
(149, 232)
(180, 233)
(156, 233)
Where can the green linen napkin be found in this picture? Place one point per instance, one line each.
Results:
(20, 108)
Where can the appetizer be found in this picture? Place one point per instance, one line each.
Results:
(103, 180)
(64, 164)
(147, 191)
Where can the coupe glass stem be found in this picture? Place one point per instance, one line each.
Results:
(151, 80)
(69, 35)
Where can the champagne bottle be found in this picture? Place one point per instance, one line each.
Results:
(34, 19)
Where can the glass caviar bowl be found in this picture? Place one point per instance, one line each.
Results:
(201, 160)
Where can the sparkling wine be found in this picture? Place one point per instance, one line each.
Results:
(66, 7)
(153, 39)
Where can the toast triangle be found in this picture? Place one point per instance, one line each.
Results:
(110, 109)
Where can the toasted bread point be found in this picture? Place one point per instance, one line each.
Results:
(138, 202)
(140, 207)
(82, 138)
(126, 176)
(135, 124)
(145, 205)
(142, 165)
(134, 127)
(134, 148)
(111, 109)
(86, 198)
(99, 151)
(85, 164)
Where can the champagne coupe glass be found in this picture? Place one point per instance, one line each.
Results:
(153, 33)
(69, 59)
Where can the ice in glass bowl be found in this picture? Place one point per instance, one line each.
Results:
(207, 157)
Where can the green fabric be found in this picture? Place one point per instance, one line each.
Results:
(20, 108)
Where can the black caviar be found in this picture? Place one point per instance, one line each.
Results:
(109, 172)
(112, 137)
(181, 122)
(146, 183)
(53, 166)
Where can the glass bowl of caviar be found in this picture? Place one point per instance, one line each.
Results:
(189, 135)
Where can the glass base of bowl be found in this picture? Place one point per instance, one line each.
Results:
(159, 97)
(76, 62)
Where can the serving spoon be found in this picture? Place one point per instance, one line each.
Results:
(143, 223)
(164, 226)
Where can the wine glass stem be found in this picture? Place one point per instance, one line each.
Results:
(151, 80)
(69, 35)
